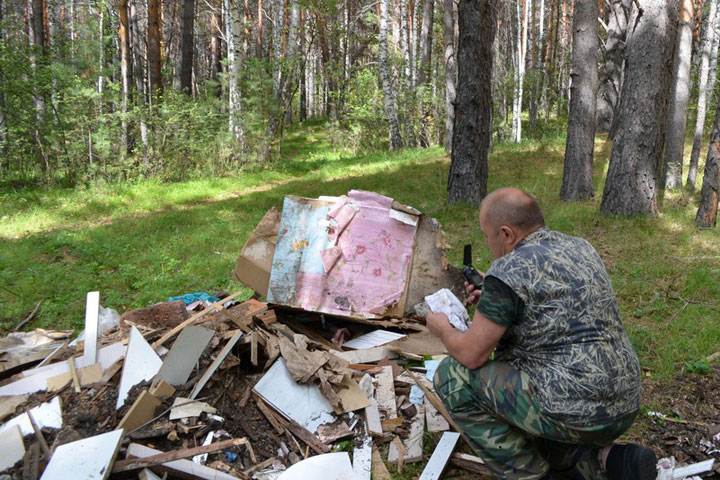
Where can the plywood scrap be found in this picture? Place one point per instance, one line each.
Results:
(351, 396)
(214, 366)
(693, 469)
(186, 407)
(330, 466)
(86, 376)
(162, 389)
(385, 392)
(470, 463)
(332, 433)
(48, 414)
(180, 361)
(440, 456)
(11, 446)
(8, 405)
(303, 403)
(379, 470)
(74, 374)
(181, 467)
(89, 458)
(147, 474)
(165, 457)
(141, 363)
(413, 444)
(141, 411)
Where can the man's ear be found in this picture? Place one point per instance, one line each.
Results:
(507, 233)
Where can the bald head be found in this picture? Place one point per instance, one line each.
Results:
(512, 207)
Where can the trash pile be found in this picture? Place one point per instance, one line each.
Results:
(332, 370)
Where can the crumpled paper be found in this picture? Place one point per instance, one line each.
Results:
(444, 301)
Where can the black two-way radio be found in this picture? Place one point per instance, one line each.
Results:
(471, 275)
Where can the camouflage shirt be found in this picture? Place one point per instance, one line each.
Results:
(569, 339)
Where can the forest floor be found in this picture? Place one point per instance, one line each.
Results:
(141, 243)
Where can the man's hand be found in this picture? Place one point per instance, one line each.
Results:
(437, 323)
(473, 295)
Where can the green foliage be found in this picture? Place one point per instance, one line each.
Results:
(699, 366)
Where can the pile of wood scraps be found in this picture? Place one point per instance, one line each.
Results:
(235, 390)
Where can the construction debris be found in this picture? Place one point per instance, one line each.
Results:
(250, 389)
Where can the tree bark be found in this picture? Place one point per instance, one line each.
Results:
(707, 212)
(611, 71)
(579, 148)
(522, 20)
(216, 29)
(233, 33)
(153, 43)
(450, 71)
(426, 32)
(467, 179)
(636, 158)
(389, 98)
(702, 95)
(125, 71)
(679, 93)
(188, 46)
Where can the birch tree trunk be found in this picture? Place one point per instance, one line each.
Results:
(538, 69)
(579, 148)
(187, 48)
(712, 74)
(679, 93)
(632, 181)
(137, 13)
(702, 95)
(450, 71)
(405, 39)
(611, 71)
(3, 118)
(233, 32)
(707, 212)
(426, 33)
(467, 179)
(389, 98)
(522, 20)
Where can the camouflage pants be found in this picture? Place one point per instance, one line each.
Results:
(495, 407)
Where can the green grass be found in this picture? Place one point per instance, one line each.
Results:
(140, 243)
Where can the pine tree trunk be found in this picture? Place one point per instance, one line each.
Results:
(188, 46)
(467, 180)
(125, 71)
(707, 212)
(679, 93)
(702, 95)
(610, 75)
(153, 43)
(215, 44)
(632, 183)
(579, 148)
(426, 33)
(389, 98)
(450, 71)
(539, 76)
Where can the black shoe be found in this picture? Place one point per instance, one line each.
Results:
(631, 462)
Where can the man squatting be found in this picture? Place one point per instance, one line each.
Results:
(564, 382)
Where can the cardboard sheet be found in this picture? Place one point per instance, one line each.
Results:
(350, 257)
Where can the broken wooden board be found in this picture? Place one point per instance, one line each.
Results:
(351, 397)
(141, 363)
(162, 458)
(302, 403)
(162, 390)
(379, 470)
(147, 474)
(440, 456)
(214, 366)
(92, 311)
(183, 355)
(183, 467)
(9, 404)
(471, 463)
(693, 469)
(369, 355)
(372, 417)
(362, 460)
(419, 343)
(186, 407)
(413, 444)
(89, 458)
(48, 414)
(435, 421)
(86, 376)
(11, 446)
(385, 392)
(142, 411)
